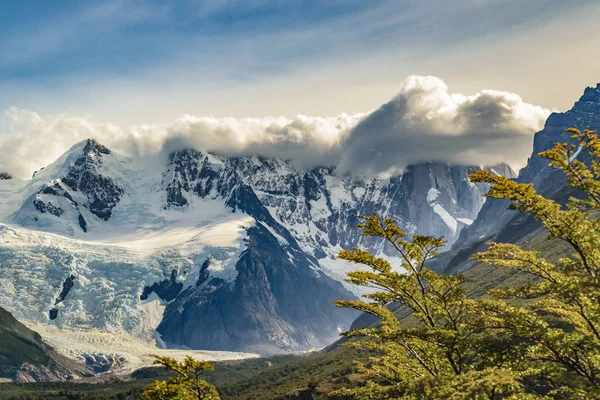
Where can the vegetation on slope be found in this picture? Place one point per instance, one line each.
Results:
(275, 377)
(25, 356)
(537, 340)
(19, 345)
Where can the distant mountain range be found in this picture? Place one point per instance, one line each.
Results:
(203, 251)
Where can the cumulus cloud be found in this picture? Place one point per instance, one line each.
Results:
(29, 141)
(307, 141)
(424, 122)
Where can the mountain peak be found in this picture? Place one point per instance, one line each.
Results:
(185, 153)
(588, 103)
(503, 169)
(590, 94)
(585, 114)
(92, 146)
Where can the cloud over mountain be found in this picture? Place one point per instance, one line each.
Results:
(423, 122)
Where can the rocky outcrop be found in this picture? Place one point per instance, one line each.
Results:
(166, 290)
(85, 175)
(103, 362)
(48, 197)
(67, 285)
(54, 199)
(189, 172)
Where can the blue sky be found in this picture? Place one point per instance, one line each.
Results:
(135, 61)
(45, 40)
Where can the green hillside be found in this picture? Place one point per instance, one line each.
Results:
(24, 355)
(19, 345)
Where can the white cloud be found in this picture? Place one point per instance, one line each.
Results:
(424, 122)
(305, 140)
(29, 141)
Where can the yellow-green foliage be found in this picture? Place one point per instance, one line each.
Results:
(489, 349)
(186, 385)
(563, 329)
(448, 353)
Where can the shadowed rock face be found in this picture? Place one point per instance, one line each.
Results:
(273, 304)
(585, 114)
(5, 176)
(167, 290)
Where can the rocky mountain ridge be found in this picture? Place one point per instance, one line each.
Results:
(204, 251)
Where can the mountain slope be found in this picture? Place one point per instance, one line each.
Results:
(279, 279)
(25, 357)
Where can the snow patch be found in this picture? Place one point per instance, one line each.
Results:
(338, 193)
(319, 208)
(358, 192)
(446, 217)
(432, 195)
(466, 221)
(574, 155)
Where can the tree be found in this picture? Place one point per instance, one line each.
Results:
(564, 329)
(186, 385)
(436, 353)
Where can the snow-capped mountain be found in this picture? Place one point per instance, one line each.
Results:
(204, 251)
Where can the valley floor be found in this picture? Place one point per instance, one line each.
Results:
(133, 352)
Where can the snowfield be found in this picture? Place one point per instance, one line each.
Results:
(104, 311)
(110, 277)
